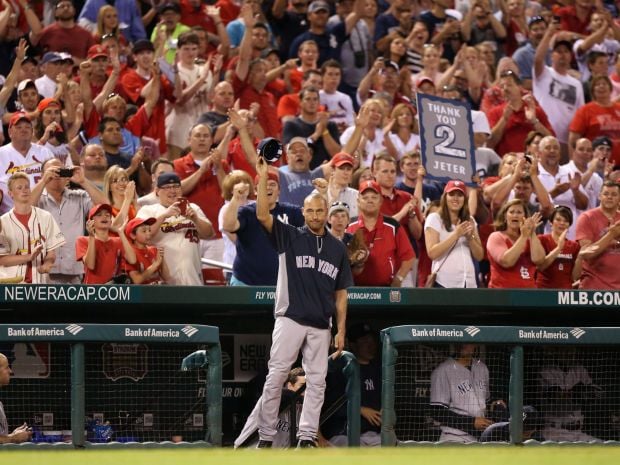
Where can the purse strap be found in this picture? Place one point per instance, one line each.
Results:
(447, 255)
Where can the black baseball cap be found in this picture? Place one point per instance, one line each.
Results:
(170, 6)
(168, 178)
(565, 43)
(535, 19)
(142, 45)
(602, 140)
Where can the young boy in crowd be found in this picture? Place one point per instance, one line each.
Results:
(149, 267)
(100, 252)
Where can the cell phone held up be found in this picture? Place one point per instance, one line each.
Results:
(183, 203)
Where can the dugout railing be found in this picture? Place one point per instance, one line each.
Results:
(534, 366)
(89, 385)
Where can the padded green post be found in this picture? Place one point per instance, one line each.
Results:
(388, 413)
(78, 397)
(516, 395)
(351, 371)
(214, 395)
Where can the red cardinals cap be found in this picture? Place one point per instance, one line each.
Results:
(422, 79)
(372, 185)
(342, 158)
(97, 51)
(46, 103)
(133, 224)
(97, 208)
(17, 117)
(455, 185)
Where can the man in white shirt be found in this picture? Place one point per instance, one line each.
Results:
(338, 104)
(51, 64)
(20, 155)
(587, 165)
(563, 185)
(555, 90)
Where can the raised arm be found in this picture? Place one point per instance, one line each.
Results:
(245, 48)
(543, 47)
(262, 202)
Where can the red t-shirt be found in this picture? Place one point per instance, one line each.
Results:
(267, 116)
(517, 128)
(593, 120)
(75, 40)
(207, 194)
(144, 258)
(288, 105)
(392, 205)
(520, 275)
(107, 259)
(389, 247)
(558, 274)
(569, 20)
(604, 271)
(236, 157)
(132, 84)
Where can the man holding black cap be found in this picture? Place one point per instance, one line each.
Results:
(178, 229)
(64, 35)
(20, 155)
(556, 91)
(313, 278)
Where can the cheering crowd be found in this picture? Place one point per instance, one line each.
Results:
(132, 130)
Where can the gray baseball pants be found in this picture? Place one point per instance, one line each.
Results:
(288, 338)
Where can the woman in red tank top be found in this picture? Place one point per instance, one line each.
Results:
(513, 249)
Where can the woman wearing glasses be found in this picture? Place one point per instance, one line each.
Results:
(452, 239)
(561, 266)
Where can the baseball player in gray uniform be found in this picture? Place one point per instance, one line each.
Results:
(313, 277)
(22, 433)
(459, 396)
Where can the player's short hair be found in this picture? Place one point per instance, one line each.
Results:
(595, 55)
(316, 195)
(45, 163)
(16, 177)
(310, 72)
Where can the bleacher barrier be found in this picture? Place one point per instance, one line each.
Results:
(88, 385)
(569, 377)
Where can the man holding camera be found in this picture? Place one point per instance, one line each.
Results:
(69, 207)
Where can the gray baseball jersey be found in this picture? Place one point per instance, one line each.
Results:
(4, 426)
(464, 391)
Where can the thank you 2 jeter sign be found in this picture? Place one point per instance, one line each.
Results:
(447, 139)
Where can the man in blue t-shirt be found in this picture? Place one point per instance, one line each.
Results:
(313, 277)
(256, 263)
